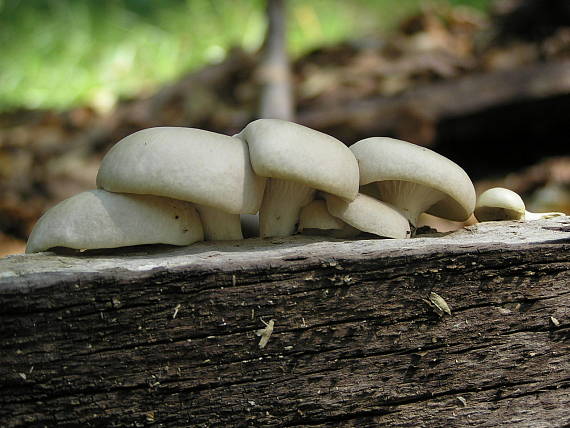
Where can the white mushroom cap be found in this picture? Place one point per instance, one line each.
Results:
(316, 220)
(298, 160)
(184, 163)
(211, 170)
(99, 219)
(415, 179)
(499, 203)
(286, 150)
(370, 215)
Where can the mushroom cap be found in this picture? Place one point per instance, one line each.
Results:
(184, 163)
(315, 219)
(99, 219)
(499, 203)
(316, 216)
(370, 215)
(288, 151)
(382, 158)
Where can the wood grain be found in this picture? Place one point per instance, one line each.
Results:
(167, 336)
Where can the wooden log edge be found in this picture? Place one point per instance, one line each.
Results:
(170, 336)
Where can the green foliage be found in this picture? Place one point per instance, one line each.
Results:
(57, 53)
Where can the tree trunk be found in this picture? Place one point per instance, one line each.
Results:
(168, 335)
(274, 70)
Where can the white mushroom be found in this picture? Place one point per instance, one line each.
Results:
(211, 170)
(316, 220)
(100, 219)
(499, 203)
(415, 179)
(297, 160)
(370, 215)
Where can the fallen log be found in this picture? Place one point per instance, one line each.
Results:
(415, 114)
(354, 335)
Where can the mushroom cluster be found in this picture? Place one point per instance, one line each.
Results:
(178, 186)
(499, 204)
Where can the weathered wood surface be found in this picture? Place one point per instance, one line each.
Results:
(167, 336)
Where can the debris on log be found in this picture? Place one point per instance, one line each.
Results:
(169, 335)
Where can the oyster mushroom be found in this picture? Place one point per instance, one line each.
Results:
(297, 161)
(370, 215)
(99, 219)
(210, 170)
(499, 203)
(316, 220)
(414, 179)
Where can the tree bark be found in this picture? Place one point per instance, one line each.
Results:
(168, 335)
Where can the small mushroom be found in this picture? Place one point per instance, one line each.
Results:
(370, 215)
(211, 170)
(296, 160)
(415, 179)
(316, 220)
(100, 219)
(499, 203)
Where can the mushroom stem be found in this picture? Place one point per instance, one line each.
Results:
(281, 207)
(537, 216)
(219, 225)
(411, 198)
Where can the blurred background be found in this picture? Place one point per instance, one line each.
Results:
(485, 83)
